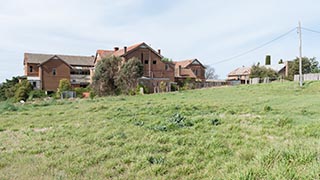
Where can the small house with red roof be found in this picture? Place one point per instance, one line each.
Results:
(192, 69)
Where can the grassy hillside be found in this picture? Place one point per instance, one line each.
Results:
(269, 131)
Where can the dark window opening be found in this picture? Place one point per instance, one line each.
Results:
(34, 84)
(154, 61)
(54, 71)
(79, 72)
(30, 69)
(146, 61)
(167, 67)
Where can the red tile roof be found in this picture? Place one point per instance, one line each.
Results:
(120, 52)
(187, 73)
(240, 71)
(184, 63)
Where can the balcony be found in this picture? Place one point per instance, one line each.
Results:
(80, 79)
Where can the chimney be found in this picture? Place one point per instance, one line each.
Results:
(159, 51)
(116, 48)
(125, 49)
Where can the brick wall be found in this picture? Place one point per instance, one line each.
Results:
(50, 82)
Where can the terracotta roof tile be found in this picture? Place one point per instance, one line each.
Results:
(187, 73)
(240, 71)
(184, 63)
(120, 52)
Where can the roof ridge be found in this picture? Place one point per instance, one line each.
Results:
(57, 54)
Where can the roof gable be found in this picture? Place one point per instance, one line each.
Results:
(240, 71)
(71, 60)
(121, 52)
(186, 63)
(55, 58)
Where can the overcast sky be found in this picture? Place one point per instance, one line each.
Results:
(207, 30)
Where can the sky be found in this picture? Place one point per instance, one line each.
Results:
(210, 31)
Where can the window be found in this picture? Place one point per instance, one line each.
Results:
(146, 61)
(167, 67)
(141, 57)
(54, 71)
(30, 68)
(154, 62)
(34, 84)
(195, 72)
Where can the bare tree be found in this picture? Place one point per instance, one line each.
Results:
(210, 73)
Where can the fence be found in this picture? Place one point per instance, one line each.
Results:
(308, 77)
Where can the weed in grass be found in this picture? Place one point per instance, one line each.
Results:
(139, 123)
(155, 160)
(281, 122)
(215, 122)
(267, 108)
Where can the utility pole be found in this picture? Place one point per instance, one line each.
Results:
(300, 55)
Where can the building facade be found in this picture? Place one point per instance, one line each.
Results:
(44, 71)
(189, 69)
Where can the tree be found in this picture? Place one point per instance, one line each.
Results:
(280, 61)
(165, 59)
(127, 80)
(258, 71)
(64, 85)
(105, 75)
(8, 88)
(309, 65)
(210, 73)
(268, 60)
(22, 90)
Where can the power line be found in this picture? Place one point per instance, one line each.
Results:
(256, 48)
(311, 30)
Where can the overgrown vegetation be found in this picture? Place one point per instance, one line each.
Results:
(110, 78)
(265, 131)
(12, 90)
(258, 71)
(129, 73)
(309, 65)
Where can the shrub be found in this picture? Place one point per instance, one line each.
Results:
(79, 91)
(145, 89)
(23, 90)
(163, 86)
(174, 87)
(64, 85)
(37, 94)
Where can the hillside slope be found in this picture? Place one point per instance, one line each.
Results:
(268, 131)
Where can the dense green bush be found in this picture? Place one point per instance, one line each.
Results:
(37, 94)
(129, 73)
(79, 91)
(8, 88)
(23, 90)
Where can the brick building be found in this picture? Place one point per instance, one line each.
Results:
(155, 70)
(192, 69)
(44, 71)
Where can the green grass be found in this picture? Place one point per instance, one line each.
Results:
(267, 131)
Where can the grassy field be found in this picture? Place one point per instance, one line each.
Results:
(269, 131)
